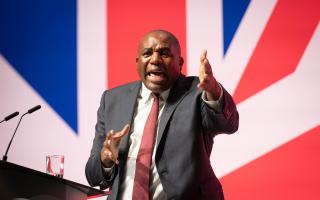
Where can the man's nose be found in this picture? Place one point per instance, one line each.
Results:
(156, 58)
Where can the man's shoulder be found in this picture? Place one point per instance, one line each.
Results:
(121, 89)
(192, 78)
(187, 81)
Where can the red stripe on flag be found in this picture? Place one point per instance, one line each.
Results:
(280, 47)
(288, 172)
(128, 21)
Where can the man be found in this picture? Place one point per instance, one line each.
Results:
(190, 111)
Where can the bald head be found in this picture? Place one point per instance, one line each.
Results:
(165, 35)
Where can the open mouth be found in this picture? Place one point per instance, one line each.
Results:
(156, 76)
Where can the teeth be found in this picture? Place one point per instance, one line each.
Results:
(155, 74)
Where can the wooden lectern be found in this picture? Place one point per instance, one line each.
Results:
(17, 182)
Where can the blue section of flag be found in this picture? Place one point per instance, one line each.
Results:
(233, 11)
(38, 37)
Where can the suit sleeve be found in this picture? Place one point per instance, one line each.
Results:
(95, 172)
(226, 121)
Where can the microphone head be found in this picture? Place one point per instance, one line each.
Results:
(11, 116)
(31, 110)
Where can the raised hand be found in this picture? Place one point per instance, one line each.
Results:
(208, 82)
(110, 149)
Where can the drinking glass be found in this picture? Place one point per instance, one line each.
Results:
(55, 165)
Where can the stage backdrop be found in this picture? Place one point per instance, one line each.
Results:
(64, 54)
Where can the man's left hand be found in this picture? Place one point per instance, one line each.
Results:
(208, 82)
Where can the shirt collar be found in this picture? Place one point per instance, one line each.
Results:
(145, 94)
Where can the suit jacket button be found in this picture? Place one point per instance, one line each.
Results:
(164, 172)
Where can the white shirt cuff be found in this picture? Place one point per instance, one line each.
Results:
(215, 105)
(108, 170)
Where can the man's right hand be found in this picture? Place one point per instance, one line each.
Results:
(110, 149)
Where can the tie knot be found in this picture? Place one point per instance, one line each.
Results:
(155, 96)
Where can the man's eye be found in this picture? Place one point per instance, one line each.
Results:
(147, 53)
(165, 53)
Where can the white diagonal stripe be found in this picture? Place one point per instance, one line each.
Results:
(274, 116)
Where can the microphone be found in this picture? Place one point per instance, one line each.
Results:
(5, 157)
(34, 109)
(7, 118)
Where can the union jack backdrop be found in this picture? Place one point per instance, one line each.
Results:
(64, 54)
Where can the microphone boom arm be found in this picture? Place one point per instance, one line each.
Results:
(5, 157)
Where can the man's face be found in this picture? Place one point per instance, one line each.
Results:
(158, 61)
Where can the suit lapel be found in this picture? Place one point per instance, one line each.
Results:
(128, 102)
(178, 91)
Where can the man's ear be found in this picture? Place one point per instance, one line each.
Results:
(137, 59)
(181, 62)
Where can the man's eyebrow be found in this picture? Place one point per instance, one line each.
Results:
(157, 49)
(147, 48)
(163, 48)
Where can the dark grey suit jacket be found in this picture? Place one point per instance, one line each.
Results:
(185, 138)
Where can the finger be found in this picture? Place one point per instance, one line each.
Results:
(107, 154)
(107, 143)
(203, 55)
(207, 67)
(108, 139)
(123, 132)
(204, 78)
(112, 156)
(109, 134)
(202, 85)
(204, 81)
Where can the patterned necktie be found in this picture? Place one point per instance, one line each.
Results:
(143, 162)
